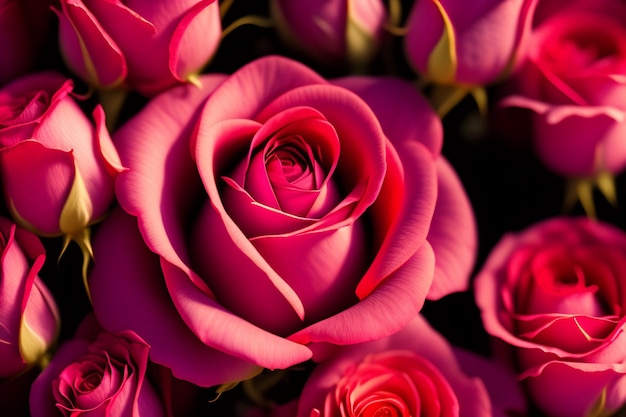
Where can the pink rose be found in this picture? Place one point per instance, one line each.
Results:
(29, 319)
(454, 42)
(97, 374)
(414, 372)
(555, 294)
(57, 167)
(283, 214)
(24, 26)
(148, 45)
(573, 80)
(332, 32)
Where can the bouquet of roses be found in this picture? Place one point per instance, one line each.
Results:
(367, 208)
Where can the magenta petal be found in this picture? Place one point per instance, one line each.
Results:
(452, 234)
(37, 181)
(394, 303)
(143, 305)
(403, 212)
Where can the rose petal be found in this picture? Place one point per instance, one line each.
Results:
(395, 302)
(143, 305)
(452, 234)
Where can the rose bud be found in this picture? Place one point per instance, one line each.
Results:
(332, 32)
(462, 47)
(29, 319)
(266, 214)
(146, 45)
(57, 166)
(553, 296)
(573, 83)
(97, 373)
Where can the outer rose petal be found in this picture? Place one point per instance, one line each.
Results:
(143, 305)
(452, 234)
(154, 195)
(34, 174)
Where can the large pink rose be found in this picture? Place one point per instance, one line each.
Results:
(147, 45)
(573, 80)
(555, 294)
(283, 214)
(414, 372)
(29, 319)
(97, 373)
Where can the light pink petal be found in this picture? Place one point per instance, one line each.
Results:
(403, 112)
(104, 144)
(452, 234)
(195, 39)
(37, 181)
(394, 303)
(154, 146)
(142, 304)
(260, 81)
(87, 47)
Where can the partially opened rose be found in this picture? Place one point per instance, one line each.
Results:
(555, 294)
(97, 373)
(414, 372)
(146, 45)
(283, 214)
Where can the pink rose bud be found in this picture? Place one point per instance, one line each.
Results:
(29, 319)
(57, 166)
(574, 82)
(331, 32)
(23, 29)
(147, 45)
(97, 373)
(555, 295)
(463, 45)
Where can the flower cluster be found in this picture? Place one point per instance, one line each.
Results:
(320, 208)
